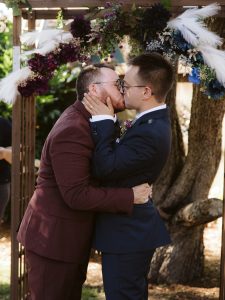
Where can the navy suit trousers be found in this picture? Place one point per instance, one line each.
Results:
(125, 275)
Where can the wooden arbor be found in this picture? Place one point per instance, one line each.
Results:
(24, 126)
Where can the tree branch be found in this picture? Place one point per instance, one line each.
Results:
(199, 212)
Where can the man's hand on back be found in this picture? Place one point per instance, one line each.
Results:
(142, 193)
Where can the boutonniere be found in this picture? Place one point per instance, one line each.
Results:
(124, 126)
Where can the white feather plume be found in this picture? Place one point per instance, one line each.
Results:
(45, 47)
(193, 29)
(204, 12)
(40, 38)
(8, 85)
(50, 46)
(215, 59)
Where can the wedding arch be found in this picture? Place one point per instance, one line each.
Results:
(23, 175)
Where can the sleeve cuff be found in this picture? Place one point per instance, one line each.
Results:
(103, 117)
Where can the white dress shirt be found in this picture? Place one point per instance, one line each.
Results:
(108, 117)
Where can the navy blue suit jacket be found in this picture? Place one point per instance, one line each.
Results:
(138, 157)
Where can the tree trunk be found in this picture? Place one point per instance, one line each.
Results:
(183, 260)
(183, 187)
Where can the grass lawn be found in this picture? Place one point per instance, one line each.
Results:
(4, 291)
(88, 293)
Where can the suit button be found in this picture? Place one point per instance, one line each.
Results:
(94, 129)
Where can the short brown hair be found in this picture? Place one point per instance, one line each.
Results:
(155, 70)
(87, 76)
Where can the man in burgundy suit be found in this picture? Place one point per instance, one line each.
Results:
(57, 227)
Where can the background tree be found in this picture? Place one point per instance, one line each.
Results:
(5, 63)
(183, 187)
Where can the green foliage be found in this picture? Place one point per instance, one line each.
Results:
(4, 291)
(62, 93)
(166, 3)
(6, 64)
(91, 293)
(15, 5)
(87, 293)
(59, 19)
(6, 51)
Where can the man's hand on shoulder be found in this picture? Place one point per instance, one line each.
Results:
(142, 193)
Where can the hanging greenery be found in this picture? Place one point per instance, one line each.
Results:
(150, 29)
(16, 5)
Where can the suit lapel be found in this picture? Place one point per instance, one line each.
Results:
(148, 118)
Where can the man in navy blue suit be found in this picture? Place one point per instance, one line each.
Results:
(127, 242)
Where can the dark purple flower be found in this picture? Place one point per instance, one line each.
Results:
(37, 85)
(43, 65)
(128, 124)
(109, 15)
(41, 85)
(154, 20)
(108, 4)
(80, 28)
(68, 53)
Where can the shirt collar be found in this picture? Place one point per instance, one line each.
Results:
(163, 106)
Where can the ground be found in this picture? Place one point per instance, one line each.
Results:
(205, 288)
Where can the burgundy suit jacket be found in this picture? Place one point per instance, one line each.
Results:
(59, 219)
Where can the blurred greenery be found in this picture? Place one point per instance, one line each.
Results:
(62, 93)
(5, 64)
(88, 293)
(4, 291)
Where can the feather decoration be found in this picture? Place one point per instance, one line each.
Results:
(47, 47)
(44, 36)
(193, 29)
(50, 46)
(8, 85)
(202, 13)
(215, 59)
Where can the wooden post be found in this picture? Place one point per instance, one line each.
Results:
(16, 133)
(23, 172)
(222, 260)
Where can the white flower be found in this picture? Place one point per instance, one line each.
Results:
(2, 27)
(3, 18)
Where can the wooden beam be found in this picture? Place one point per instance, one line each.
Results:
(52, 14)
(94, 3)
(71, 13)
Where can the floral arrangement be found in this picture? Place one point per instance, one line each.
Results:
(15, 5)
(185, 37)
(124, 126)
(3, 23)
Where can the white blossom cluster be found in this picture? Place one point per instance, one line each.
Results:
(3, 23)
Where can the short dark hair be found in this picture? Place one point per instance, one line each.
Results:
(156, 71)
(87, 76)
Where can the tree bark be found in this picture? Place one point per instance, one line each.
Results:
(199, 212)
(176, 159)
(183, 187)
(181, 261)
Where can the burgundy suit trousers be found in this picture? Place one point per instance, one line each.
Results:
(54, 280)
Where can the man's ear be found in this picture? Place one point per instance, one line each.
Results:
(93, 88)
(147, 92)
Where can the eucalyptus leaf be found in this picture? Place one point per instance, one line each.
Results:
(166, 3)
(133, 8)
(16, 11)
